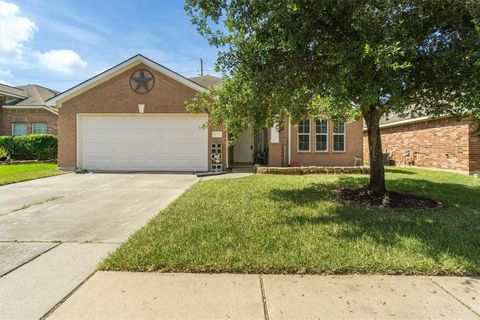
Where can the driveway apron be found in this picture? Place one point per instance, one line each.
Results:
(55, 231)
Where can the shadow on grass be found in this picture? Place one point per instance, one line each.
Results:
(398, 171)
(315, 192)
(450, 233)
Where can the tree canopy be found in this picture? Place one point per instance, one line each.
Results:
(340, 58)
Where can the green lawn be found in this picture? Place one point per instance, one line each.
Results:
(21, 172)
(294, 224)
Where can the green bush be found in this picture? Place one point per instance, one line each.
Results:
(4, 154)
(31, 147)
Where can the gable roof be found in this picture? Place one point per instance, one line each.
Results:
(12, 92)
(35, 96)
(116, 70)
(207, 81)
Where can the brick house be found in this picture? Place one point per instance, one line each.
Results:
(441, 143)
(132, 117)
(24, 111)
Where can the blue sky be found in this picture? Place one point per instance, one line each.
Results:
(60, 43)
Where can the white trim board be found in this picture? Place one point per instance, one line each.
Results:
(31, 108)
(408, 121)
(116, 70)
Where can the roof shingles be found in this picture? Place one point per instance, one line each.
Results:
(207, 81)
(12, 92)
(35, 95)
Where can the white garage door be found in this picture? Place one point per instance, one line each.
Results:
(143, 142)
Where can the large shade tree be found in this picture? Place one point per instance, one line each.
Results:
(341, 59)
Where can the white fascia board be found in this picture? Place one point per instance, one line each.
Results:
(110, 73)
(12, 95)
(408, 121)
(32, 108)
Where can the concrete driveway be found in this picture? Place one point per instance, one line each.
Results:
(55, 231)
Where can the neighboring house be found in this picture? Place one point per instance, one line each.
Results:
(442, 143)
(207, 81)
(132, 117)
(24, 111)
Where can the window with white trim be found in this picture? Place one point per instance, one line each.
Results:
(304, 135)
(39, 128)
(19, 129)
(339, 136)
(321, 135)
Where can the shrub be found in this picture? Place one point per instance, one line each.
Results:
(31, 147)
(4, 154)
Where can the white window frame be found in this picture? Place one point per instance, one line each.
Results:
(304, 134)
(320, 134)
(344, 134)
(36, 123)
(13, 128)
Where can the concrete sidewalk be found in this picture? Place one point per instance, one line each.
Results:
(121, 295)
(54, 231)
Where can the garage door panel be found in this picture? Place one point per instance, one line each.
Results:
(197, 148)
(182, 163)
(143, 142)
(118, 164)
(152, 164)
(168, 164)
(183, 149)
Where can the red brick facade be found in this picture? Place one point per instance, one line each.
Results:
(353, 143)
(168, 96)
(116, 96)
(441, 143)
(29, 116)
(474, 147)
(278, 152)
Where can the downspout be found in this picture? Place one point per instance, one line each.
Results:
(289, 144)
(227, 165)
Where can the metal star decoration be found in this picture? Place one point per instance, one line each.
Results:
(142, 81)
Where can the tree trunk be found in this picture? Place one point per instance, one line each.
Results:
(377, 171)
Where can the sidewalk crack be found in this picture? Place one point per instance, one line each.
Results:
(30, 260)
(55, 307)
(454, 297)
(264, 298)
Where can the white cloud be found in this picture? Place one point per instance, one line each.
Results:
(7, 83)
(15, 31)
(62, 61)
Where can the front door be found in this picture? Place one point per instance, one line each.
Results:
(243, 149)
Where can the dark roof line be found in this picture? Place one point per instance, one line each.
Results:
(118, 64)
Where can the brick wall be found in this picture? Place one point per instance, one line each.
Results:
(474, 151)
(116, 96)
(2, 102)
(276, 155)
(354, 147)
(442, 143)
(278, 152)
(222, 140)
(8, 116)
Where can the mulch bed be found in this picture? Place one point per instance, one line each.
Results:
(364, 197)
